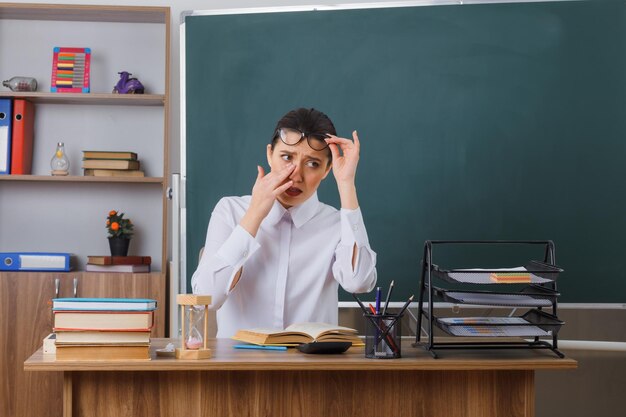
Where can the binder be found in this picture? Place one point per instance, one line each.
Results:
(23, 129)
(34, 261)
(5, 135)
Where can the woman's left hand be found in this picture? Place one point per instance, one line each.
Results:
(344, 164)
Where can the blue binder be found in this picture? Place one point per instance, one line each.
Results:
(34, 261)
(6, 115)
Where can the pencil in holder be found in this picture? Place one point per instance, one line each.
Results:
(382, 336)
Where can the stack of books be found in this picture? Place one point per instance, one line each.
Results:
(118, 264)
(103, 328)
(111, 164)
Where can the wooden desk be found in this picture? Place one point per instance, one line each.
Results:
(277, 383)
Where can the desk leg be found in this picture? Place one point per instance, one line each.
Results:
(67, 394)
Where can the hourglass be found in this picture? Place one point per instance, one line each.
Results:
(194, 311)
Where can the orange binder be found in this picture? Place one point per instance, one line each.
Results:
(22, 132)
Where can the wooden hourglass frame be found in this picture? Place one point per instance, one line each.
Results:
(190, 300)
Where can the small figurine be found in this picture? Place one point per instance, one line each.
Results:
(127, 85)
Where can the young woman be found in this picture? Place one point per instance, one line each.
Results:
(277, 257)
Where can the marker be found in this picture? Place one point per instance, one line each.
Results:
(260, 347)
(378, 295)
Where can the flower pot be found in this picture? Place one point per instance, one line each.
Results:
(119, 246)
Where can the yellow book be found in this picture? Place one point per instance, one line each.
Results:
(103, 320)
(299, 333)
(110, 164)
(101, 337)
(510, 277)
(113, 173)
(102, 353)
(109, 155)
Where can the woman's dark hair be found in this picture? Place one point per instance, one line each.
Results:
(309, 121)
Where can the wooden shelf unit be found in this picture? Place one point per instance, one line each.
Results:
(26, 317)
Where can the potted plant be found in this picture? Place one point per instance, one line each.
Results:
(120, 231)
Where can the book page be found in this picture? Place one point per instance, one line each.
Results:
(477, 277)
(317, 329)
(499, 299)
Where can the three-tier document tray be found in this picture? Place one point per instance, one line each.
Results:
(529, 287)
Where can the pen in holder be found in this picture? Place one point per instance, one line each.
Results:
(382, 335)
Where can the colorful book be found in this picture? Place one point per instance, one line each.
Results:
(119, 260)
(110, 164)
(102, 353)
(104, 304)
(109, 155)
(101, 337)
(70, 70)
(117, 268)
(103, 320)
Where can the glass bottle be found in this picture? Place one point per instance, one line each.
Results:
(60, 164)
(195, 319)
(21, 84)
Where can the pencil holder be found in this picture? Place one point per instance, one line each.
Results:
(382, 336)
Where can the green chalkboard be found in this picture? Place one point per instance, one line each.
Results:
(493, 121)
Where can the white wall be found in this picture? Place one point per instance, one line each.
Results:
(41, 71)
(177, 7)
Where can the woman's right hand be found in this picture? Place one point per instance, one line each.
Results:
(265, 191)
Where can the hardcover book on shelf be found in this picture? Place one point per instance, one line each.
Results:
(101, 337)
(299, 333)
(100, 320)
(119, 260)
(88, 172)
(117, 268)
(102, 352)
(109, 155)
(104, 304)
(111, 164)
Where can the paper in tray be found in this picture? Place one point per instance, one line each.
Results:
(532, 323)
(540, 273)
(495, 299)
(497, 331)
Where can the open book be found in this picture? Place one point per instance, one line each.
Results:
(299, 333)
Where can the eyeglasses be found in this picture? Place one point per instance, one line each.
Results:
(292, 137)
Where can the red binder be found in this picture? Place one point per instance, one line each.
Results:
(22, 132)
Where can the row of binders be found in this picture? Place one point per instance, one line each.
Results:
(17, 117)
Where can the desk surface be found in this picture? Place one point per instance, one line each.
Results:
(226, 358)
